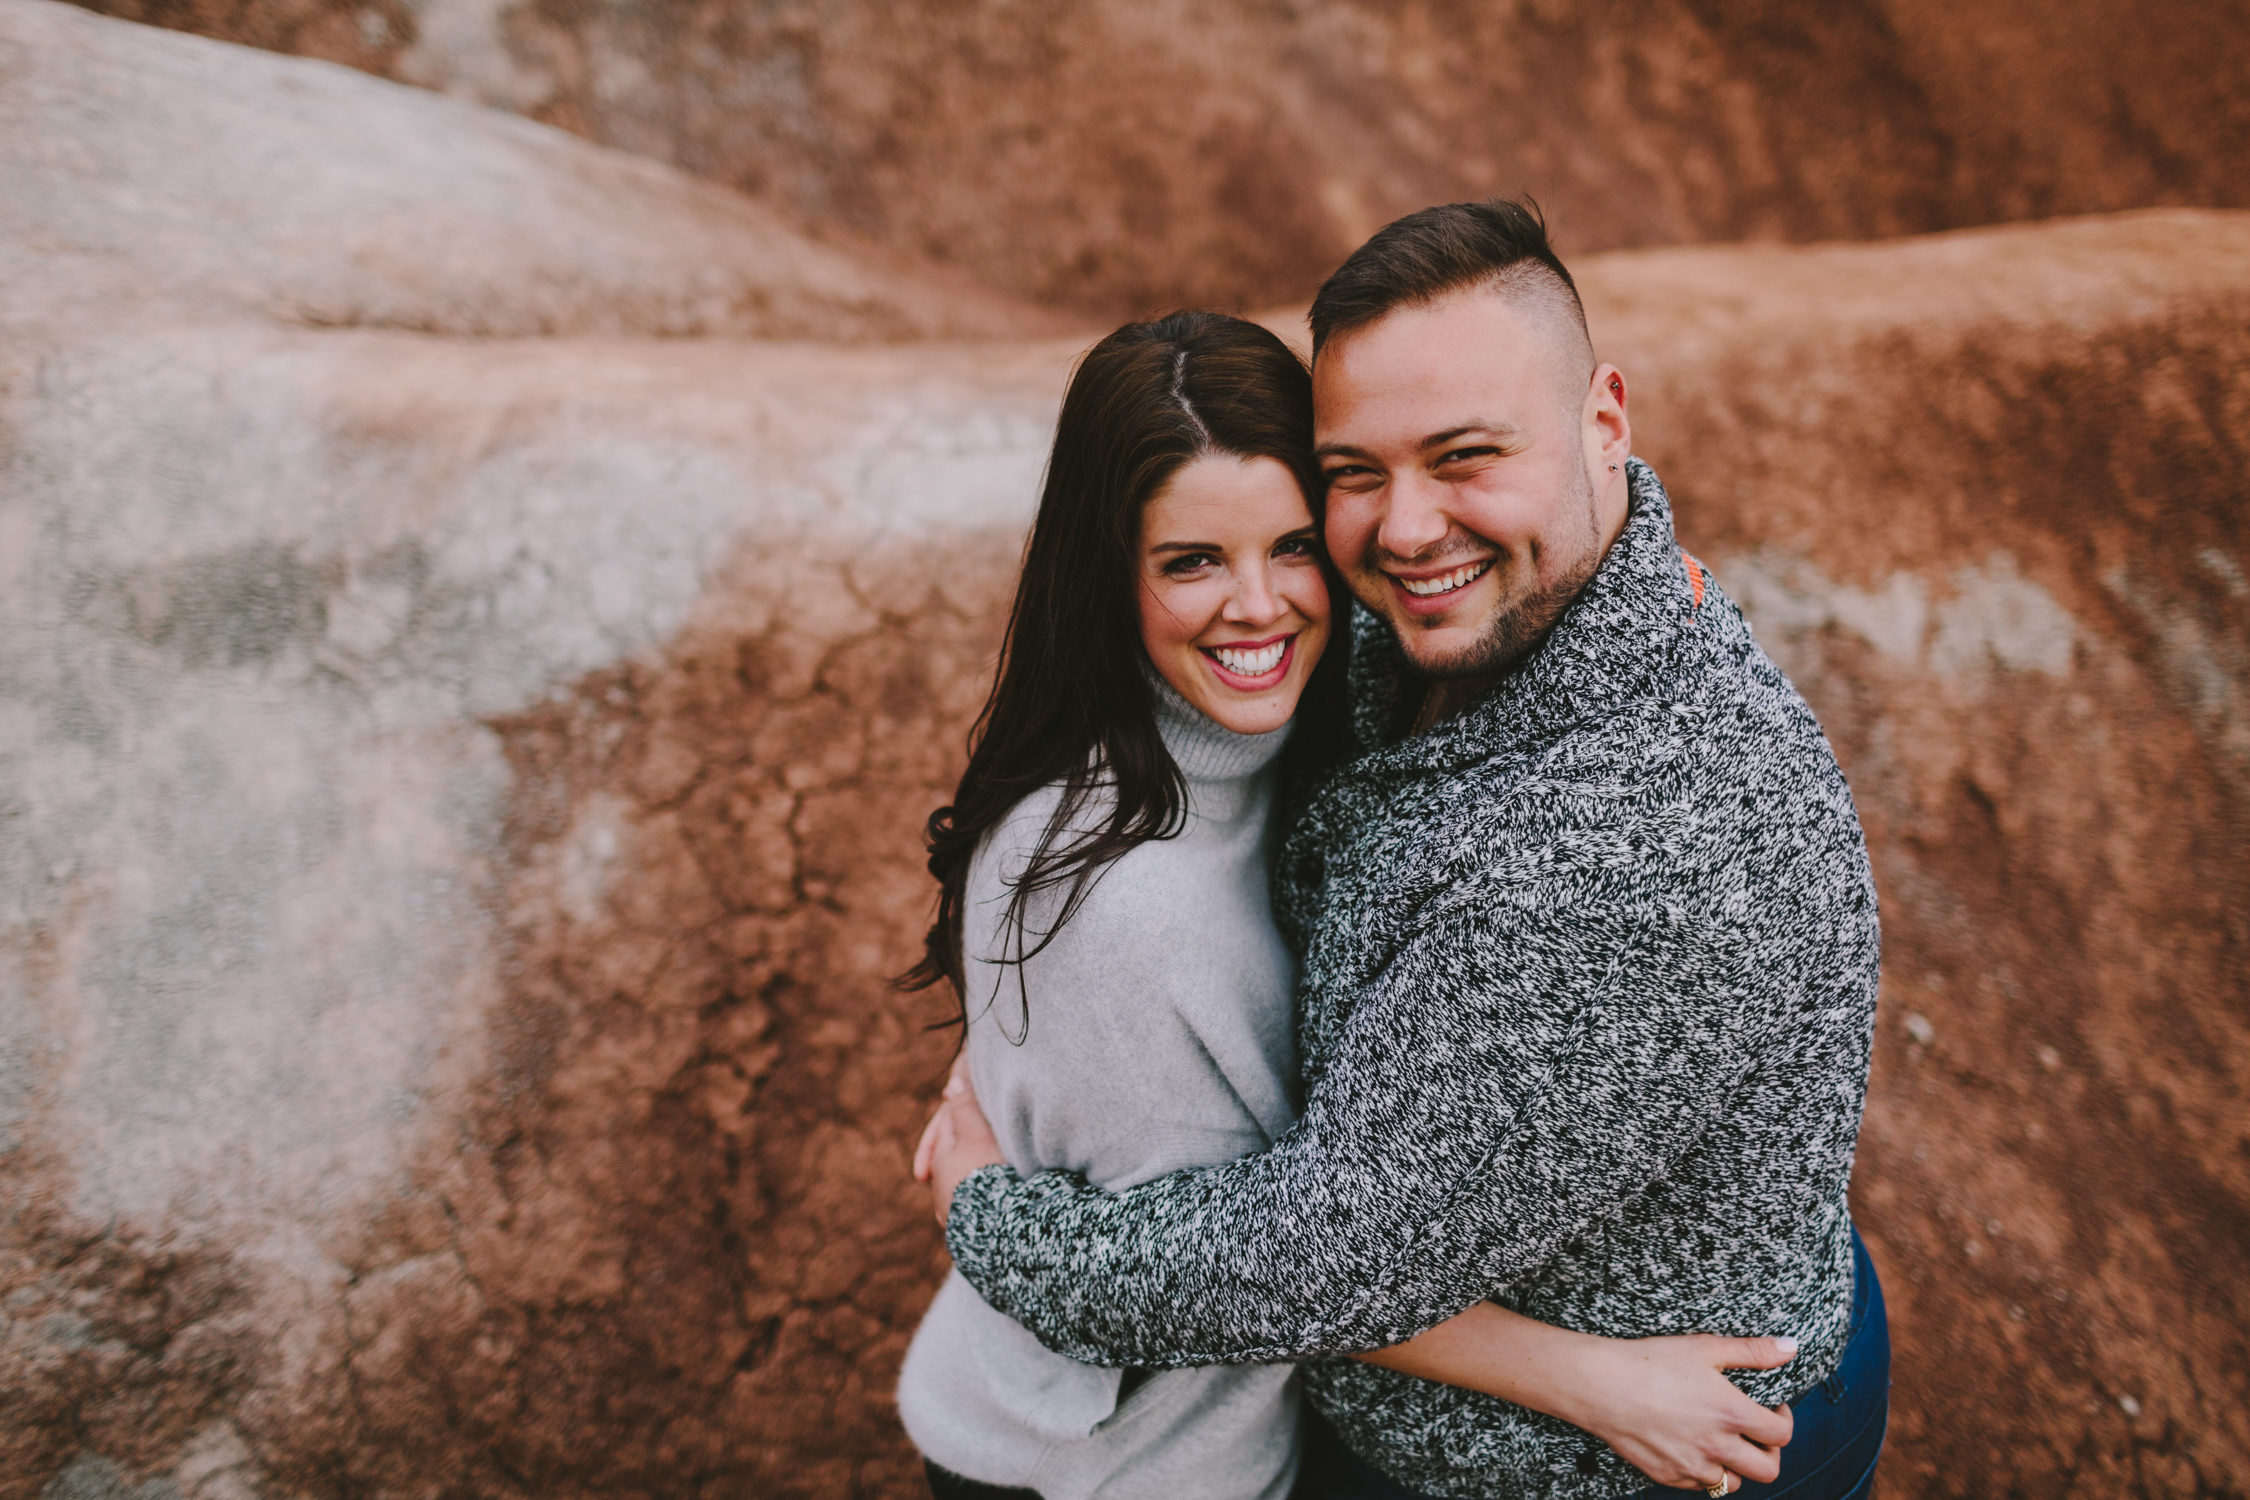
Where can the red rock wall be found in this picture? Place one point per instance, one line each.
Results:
(656, 1237)
(1984, 496)
(638, 1225)
(2055, 1181)
(676, 1252)
(1118, 156)
(670, 1248)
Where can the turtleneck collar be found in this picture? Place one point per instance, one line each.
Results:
(1204, 749)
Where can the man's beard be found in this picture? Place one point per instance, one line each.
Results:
(1517, 629)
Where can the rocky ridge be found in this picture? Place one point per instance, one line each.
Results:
(463, 763)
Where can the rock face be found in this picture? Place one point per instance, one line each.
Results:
(459, 794)
(443, 1051)
(461, 814)
(1983, 496)
(1117, 155)
(146, 176)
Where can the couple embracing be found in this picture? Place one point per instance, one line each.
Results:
(1418, 955)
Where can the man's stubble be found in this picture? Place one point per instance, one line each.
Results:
(1517, 629)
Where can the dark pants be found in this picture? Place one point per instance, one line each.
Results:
(947, 1485)
(1831, 1455)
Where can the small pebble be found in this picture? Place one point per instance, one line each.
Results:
(1918, 1027)
(2132, 1407)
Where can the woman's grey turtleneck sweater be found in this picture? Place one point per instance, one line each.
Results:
(1155, 1032)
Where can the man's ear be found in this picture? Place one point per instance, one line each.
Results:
(1609, 432)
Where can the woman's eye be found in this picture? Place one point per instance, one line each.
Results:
(1295, 546)
(1189, 562)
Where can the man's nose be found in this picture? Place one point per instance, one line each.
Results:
(1412, 521)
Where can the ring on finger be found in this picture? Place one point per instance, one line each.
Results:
(1718, 1487)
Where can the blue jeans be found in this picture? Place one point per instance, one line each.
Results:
(1831, 1455)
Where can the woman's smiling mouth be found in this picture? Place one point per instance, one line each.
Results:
(1252, 666)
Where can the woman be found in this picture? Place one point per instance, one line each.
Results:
(1104, 918)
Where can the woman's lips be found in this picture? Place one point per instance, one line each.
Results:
(1252, 666)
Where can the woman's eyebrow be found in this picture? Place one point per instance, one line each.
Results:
(1186, 547)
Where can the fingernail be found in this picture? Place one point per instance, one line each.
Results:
(1786, 1344)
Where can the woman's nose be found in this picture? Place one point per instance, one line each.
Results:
(1253, 601)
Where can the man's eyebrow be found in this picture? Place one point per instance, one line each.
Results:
(1490, 429)
(1435, 439)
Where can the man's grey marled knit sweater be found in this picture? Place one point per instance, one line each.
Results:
(1587, 996)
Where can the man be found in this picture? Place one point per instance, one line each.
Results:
(1588, 934)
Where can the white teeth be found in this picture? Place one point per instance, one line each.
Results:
(1251, 663)
(1445, 583)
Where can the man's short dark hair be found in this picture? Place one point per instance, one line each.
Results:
(1427, 255)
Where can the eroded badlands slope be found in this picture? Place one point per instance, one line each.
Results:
(1984, 496)
(461, 801)
(1117, 155)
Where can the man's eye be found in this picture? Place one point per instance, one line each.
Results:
(1463, 455)
(1349, 474)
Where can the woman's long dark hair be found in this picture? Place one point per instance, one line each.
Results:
(1071, 703)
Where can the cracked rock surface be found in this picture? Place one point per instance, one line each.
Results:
(1982, 495)
(460, 787)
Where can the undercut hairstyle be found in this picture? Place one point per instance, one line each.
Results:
(1071, 702)
(1500, 246)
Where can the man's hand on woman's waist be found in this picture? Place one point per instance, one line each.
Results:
(957, 1141)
